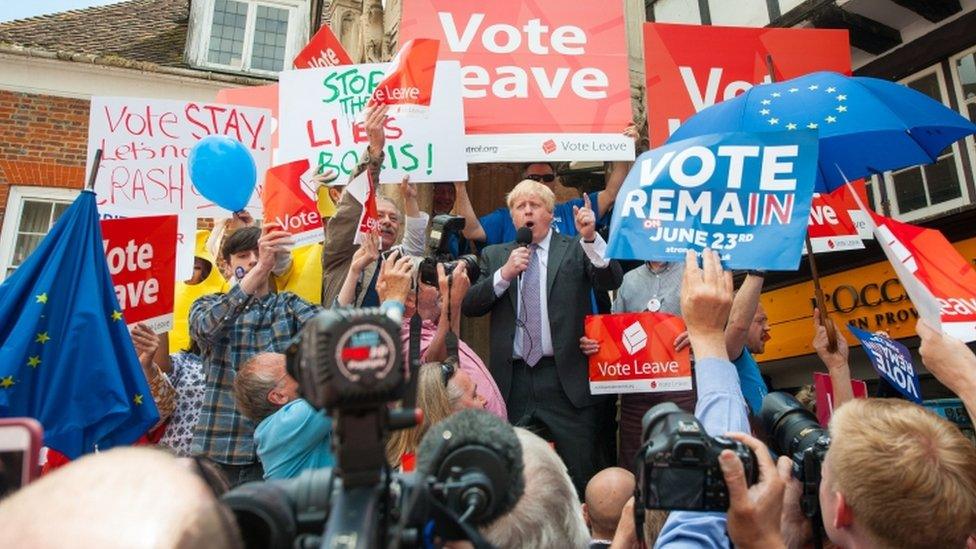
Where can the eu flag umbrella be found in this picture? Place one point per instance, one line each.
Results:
(866, 126)
(66, 358)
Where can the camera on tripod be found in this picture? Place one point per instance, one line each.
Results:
(678, 463)
(445, 231)
(349, 362)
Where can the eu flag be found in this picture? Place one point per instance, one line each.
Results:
(66, 358)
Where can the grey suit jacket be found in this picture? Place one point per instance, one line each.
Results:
(569, 278)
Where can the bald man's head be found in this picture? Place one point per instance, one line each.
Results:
(606, 494)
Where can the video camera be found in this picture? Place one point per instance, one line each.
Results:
(677, 464)
(469, 466)
(445, 230)
(796, 433)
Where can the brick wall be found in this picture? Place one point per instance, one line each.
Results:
(43, 142)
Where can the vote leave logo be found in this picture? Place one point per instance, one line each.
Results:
(549, 146)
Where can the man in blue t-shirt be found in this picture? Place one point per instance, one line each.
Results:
(291, 435)
(747, 334)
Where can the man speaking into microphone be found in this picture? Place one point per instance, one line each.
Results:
(538, 296)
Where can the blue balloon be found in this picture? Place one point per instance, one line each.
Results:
(223, 170)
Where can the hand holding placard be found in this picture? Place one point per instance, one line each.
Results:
(950, 361)
(706, 300)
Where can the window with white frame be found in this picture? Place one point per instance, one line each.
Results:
(924, 191)
(250, 36)
(30, 214)
(964, 77)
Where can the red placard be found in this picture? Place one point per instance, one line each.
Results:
(825, 395)
(637, 354)
(691, 67)
(831, 228)
(928, 257)
(323, 50)
(141, 256)
(288, 204)
(410, 78)
(265, 97)
(543, 68)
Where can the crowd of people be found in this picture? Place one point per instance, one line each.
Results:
(895, 475)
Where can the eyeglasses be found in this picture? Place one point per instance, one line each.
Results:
(448, 369)
(546, 178)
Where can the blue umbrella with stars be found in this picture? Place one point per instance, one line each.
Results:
(866, 126)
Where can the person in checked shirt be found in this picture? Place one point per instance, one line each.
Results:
(230, 328)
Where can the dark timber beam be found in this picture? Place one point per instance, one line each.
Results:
(866, 34)
(933, 10)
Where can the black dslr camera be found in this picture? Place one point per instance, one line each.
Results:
(446, 229)
(678, 466)
(349, 362)
(796, 433)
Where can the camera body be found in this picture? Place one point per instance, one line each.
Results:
(678, 464)
(445, 229)
(796, 433)
(349, 361)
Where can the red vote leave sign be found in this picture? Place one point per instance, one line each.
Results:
(542, 80)
(831, 228)
(926, 256)
(141, 256)
(691, 67)
(637, 354)
(323, 50)
(410, 79)
(288, 205)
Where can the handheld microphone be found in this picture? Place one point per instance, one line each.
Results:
(477, 461)
(523, 237)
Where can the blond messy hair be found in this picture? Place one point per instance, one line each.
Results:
(527, 188)
(890, 459)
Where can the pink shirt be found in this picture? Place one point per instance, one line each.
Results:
(471, 363)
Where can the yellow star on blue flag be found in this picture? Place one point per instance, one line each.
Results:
(42, 338)
(116, 315)
(7, 382)
(34, 361)
(137, 399)
(41, 298)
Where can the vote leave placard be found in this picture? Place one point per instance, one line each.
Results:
(939, 281)
(321, 121)
(747, 196)
(323, 50)
(831, 228)
(542, 80)
(141, 256)
(288, 203)
(637, 354)
(186, 230)
(145, 144)
(892, 361)
(408, 86)
(691, 67)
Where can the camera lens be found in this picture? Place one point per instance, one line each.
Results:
(792, 427)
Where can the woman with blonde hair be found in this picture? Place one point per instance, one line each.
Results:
(442, 389)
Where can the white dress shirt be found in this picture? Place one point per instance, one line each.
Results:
(594, 251)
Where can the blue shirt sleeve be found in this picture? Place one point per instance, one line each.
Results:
(494, 225)
(720, 410)
(753, 386)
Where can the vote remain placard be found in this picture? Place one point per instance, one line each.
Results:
(745, 195)
(141, 256)
(892, 361)
(691, 67)
(542, 80)
(637, 354)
